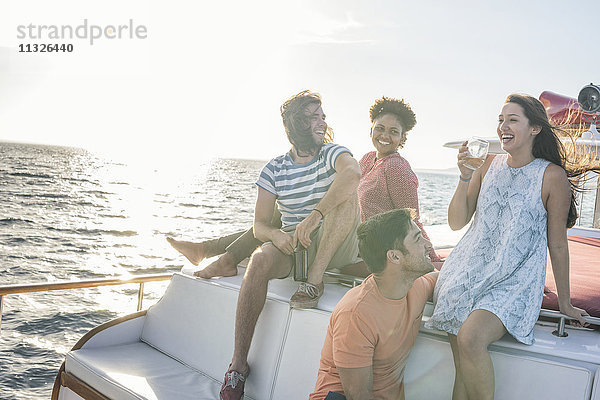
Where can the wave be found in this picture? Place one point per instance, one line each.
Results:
(120, 245)
(13, 221)
(30, 175)
(16, 240)
(87, 204)
(43, 195)
(94, 232)
(99, 193)
(199, 205)
(190, 205)
(29, 352)
(64, 322)
(112, 216)
(184, 217)
(71, 179)
(128, 265)
(150, 255)
(119, 233)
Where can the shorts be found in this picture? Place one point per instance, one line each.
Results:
(346, 254)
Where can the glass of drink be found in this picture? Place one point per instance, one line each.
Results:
(478, 150)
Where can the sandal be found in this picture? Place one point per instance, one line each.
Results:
(233, 385)
(307, 295)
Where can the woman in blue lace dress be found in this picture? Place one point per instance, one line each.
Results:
(493, 281)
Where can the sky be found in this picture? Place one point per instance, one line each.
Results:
(208, 78)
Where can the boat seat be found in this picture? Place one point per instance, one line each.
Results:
(194, 323)
(138, 371)
(182, 346)
(302, 346)
(186, 338)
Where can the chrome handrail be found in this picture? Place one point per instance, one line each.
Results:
(343, 279)
(562, 318)
(85, 283)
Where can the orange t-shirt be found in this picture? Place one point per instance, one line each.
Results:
(367, 329)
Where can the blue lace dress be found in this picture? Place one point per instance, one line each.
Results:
(500, 263)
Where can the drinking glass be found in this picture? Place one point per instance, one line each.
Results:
(478, 150)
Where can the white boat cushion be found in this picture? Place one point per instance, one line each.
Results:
(67, 394)
(122, 333)
(281, 289)
(301, 355)
(194, 323)
(553, 379)
(429, 374)
(596, 388)
(137, 371)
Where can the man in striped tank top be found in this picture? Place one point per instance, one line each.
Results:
(314, 187)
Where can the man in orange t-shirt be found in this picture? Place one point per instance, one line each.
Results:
(374, 326)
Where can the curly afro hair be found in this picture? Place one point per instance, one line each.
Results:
(402, 111)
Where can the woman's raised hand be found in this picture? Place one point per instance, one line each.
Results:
(463, 153)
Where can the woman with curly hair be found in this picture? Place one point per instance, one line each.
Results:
(388, 182)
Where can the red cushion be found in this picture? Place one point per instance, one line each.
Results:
(584, 255)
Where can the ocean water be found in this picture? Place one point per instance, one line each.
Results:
(69, 214)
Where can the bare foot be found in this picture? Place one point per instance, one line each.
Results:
(223, 266)
(194, 252)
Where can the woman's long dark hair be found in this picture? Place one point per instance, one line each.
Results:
(547, 145)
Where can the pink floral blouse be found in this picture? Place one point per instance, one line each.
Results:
(387, 184)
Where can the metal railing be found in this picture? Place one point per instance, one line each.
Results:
(345, 280)
(87, 283)
(562, 319)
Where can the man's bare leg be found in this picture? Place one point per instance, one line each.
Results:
(336, 226)
(265, 264)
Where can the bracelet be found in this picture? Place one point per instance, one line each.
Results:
(317, 210)
(463, 179)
